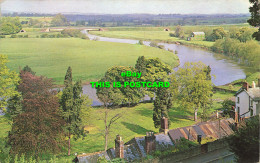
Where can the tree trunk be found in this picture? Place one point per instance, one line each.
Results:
(195, 114)
(69, 145)
(106, 130)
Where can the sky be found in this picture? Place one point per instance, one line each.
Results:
(128, 6)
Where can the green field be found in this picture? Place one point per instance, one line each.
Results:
(89, 59)
(151, 35)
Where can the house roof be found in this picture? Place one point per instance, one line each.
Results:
(254, 93)
(198, 33)
(135, 148)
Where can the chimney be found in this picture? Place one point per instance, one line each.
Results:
(164, 125)
(149, 142)
(119, 147)
(253, 84)
(245, 86)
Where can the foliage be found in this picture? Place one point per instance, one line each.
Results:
(38, 129)
(71, 104)
(10, 25)
(179, 31)
(59, 20)
(28, 69)
(120, 95)
(162, 104)
(227, 106)
(256, 35)
(153, 44)
(218, 33)
(73, 33)
(8, 81)
(245, 141)
(246, 53)
(255, 15)
(244, 34)
(141, 42)
(195, 90)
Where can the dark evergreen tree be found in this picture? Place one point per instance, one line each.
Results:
(255, 17)
(28, 69)
(162, 104)
(71, 103)
(141, 65)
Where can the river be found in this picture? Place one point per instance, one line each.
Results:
(224, 69)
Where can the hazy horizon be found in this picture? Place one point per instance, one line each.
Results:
(128, 6)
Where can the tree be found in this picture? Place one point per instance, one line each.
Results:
(179, 31)
(28, 69)
(218, 33)
(38, 129)
(244, 34)
(245, 141)
(10, 25)
(59, 20)
(106, 97)
(195, 90)
(255, 17)
(8, 82)
(227, 105)
(71, 104)
(162, 105)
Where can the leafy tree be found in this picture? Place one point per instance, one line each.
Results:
(218, 33)
(227, 106)
(10, 25)
(140, 65)
(120, 95)
(59, 20)
(244, 34)
(38, 129)
(71, 103)
(28, 69)
(8, 81)
(245, 141)
(195, 90)
(179, 31)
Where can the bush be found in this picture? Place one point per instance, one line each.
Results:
(45, 35)
(2, 36)
(37, 36)
(153, 44)
(72, 32)
(13, 36)
(141, 42)
(160, 46)
(26, 36)
(52, 36)
(227, 106)
(171, 34)
(20, 36)
(84, 37)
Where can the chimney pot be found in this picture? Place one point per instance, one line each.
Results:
(149, 142)
(119, 147)
(164, 125)
(245, 86)
(253, 84)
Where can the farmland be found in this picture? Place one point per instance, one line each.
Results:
(88, 59)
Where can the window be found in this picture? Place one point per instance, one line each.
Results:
(251, 112)
(238, 110)
(238, 100)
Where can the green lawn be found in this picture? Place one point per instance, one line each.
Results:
(150, 35)
(89, 59)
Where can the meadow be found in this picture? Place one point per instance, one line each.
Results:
(89, 59)
(160, 36)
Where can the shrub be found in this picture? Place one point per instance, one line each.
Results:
(26, 36)
(141, 42)
(84, 37)
(160, 46)
(2, 36)
(171, 34)
(52, 36)
(45, 35)
(13, 36)
(227, 106)
(72, 32)
(153, 44)
(20, 36)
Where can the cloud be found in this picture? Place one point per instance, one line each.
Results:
(128, 6)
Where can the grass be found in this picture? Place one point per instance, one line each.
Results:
(89, 59)
(136, 121)
(151, 35)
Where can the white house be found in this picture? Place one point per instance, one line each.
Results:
(248, 100)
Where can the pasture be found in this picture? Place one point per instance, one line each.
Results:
(89, 59)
